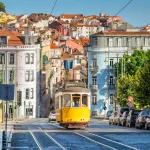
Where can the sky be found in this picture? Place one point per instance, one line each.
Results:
(137, 13)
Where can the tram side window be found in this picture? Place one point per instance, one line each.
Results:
(57, 102)
(84, 100)
(67, 100)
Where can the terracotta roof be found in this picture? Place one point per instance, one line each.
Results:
(71, 16)
(9, 33)
(77, 67)
(76, 52)
(13, 40)
(66, 55)
(53, 46)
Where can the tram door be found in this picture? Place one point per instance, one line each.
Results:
(76, 100)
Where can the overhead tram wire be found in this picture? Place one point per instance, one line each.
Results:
(123, 7)
(53, 7)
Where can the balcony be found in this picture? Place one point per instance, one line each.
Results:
(93, 68)
(93, 87)
(56, 56)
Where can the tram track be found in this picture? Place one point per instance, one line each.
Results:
(111, 144)
(40, 147)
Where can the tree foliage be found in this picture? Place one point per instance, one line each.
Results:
(2, 7)
(135, 81)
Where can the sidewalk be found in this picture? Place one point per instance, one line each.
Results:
(10, 126)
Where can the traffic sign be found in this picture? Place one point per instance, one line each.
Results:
(7, 92)
(130, 104)
(130, 98)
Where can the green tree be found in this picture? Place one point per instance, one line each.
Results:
(125, 89)
(131, 63)
(142, 86)
(2, 7)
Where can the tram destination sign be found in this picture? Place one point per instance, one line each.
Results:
(7, 92)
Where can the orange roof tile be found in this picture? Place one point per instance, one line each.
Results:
(78, 67)
(76, 52)
(53, 46)
(71, 16)
(66, 55)
(13, 40)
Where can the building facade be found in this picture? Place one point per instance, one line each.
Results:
(20, 65)
(106, 49)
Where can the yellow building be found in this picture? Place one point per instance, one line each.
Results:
(4, 18)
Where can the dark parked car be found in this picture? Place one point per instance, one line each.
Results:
(131, 119)
(141, 119)
(112, 117)
(123, 118)
(120, 112)
(108, 114)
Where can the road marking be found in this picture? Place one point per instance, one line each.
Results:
(114, 141)
(55, 141)
(36, 141)
(96, 141)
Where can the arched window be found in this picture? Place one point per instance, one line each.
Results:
(27, 58)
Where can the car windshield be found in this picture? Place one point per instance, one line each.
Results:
(135, 112)
(123, 110)
(109, 112)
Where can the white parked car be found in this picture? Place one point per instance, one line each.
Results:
(52, 116)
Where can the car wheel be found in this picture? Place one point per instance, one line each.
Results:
(146, 127)
(139, 126)
(109, 123)
(130, 126)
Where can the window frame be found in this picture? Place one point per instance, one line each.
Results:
(27, 58)
(27, 93)
(94, 101)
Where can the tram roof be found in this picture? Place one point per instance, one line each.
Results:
(75, 89)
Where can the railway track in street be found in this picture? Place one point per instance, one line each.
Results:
(50, 136)
(108, 143)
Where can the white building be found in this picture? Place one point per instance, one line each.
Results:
(21, 68)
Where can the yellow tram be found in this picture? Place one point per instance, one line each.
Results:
(73, 107)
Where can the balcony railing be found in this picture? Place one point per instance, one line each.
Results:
(93, 87)
(94, 68)
(20, 47)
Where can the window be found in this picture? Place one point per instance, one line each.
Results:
(84, 100)
(111, 80)
(129, 42)
(146, 41)
(119, 41)
(94, 80)
(29, 111)
(67, 100)
(2, 58)
(110, 40)
(31, 75)
(11, 76)
(111, 62)
(78, 61)
(95, 41)
(12, 58)
(32, 58)
(27, 58)
(27, 74)
(111, 98)
(138, 41)
(31, 93)
(27, 93)
(94, 100)
(94, 62)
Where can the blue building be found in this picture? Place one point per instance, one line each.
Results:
(106, 49)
